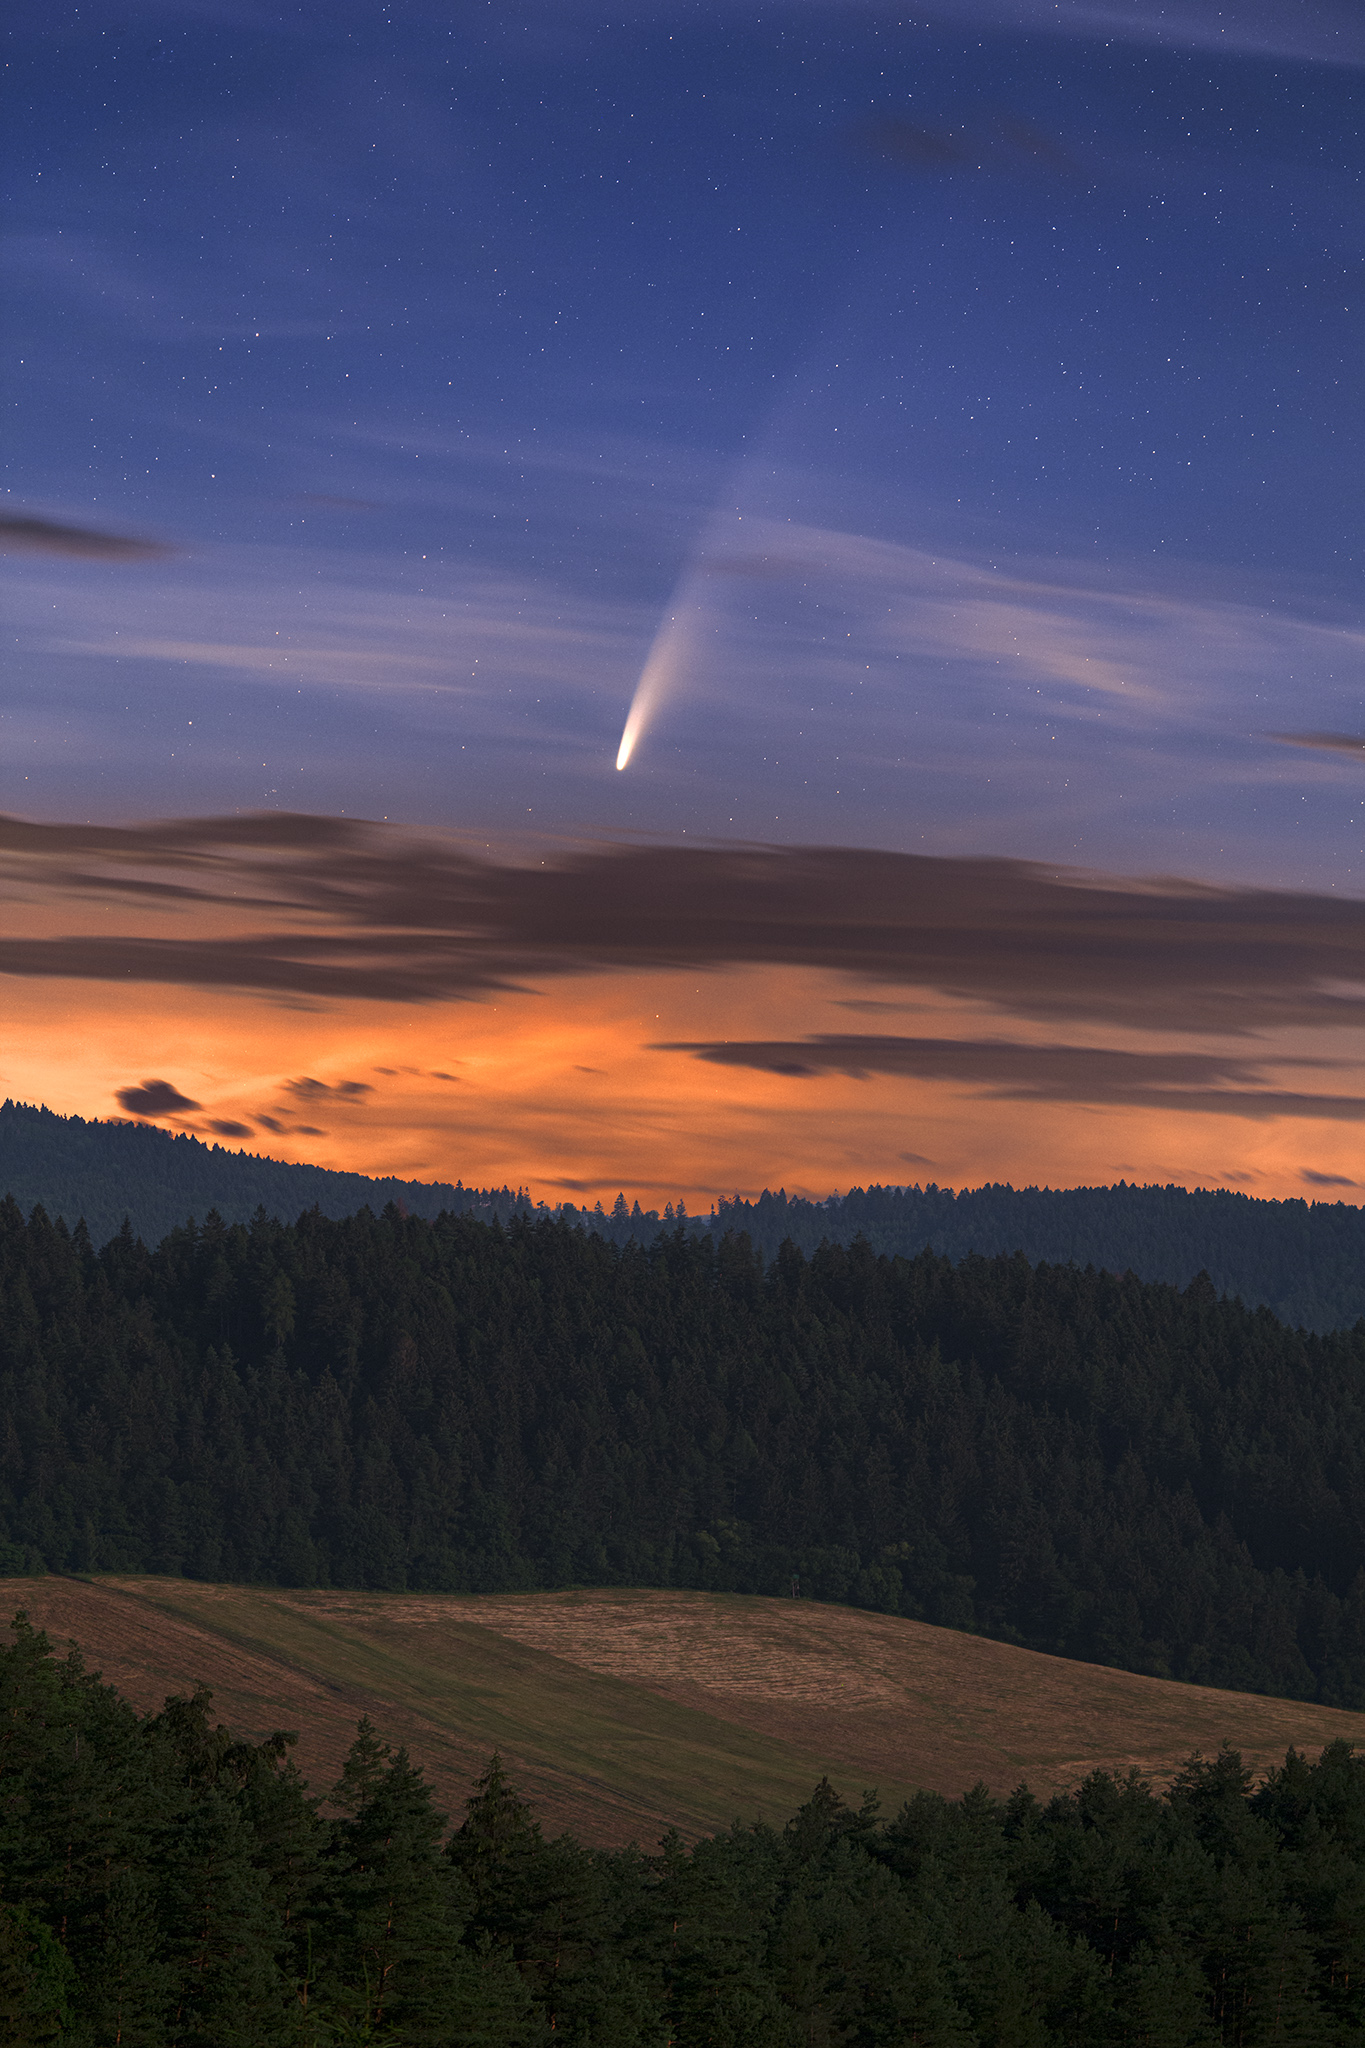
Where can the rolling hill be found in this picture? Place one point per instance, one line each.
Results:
(623, 1712)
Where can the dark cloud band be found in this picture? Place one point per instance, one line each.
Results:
(49, 537)
(340, 909)
(1208, 1083)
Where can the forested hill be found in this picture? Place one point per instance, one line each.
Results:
(1085, 1464)
(1305, 1260)
(169, 1887)
(99, 1173)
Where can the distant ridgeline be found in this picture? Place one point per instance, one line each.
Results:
(102, 1172)
(1095, 1466)
(1305, 1260)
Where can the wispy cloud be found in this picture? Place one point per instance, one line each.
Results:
(375, 622)
(22, 532)
(1349, 743)
(1025, 705)
(1207, 1083)
(331, 907)
(327, 663)
(136, 290)
(1178, 650)
(759, 606)
(1324, 31)
(1311, 31)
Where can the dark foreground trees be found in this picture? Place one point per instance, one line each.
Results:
(163, 1885)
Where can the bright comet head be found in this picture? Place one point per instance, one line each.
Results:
(658, 673)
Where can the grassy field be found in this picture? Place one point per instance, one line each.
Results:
(620, 1713)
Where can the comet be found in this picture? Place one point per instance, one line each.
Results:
(697, 605)
(666, 661)
(663, 665)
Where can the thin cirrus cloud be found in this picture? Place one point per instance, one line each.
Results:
(1205, 1083)
(948, 689)
(1058, 624)
(25, 533)
(359, 625)
(1006, 143)
(1049, 640)
(333, 908)
(1313, 31)
(1351, 743)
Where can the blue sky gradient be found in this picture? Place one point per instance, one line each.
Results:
(944, 429)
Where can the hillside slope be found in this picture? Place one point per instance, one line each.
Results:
(619, 1713)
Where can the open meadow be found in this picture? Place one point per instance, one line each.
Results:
(620, 1713)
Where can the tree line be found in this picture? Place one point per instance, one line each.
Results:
(1081, 1463)
(165, 1885)
(106, 1174)
(1305, 1260)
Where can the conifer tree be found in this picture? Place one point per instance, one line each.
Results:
(37, 1982)
(290, 1844)
(393, 1930)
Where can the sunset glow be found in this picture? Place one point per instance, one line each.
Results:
(971, 544)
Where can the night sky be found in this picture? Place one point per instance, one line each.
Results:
(938, 434)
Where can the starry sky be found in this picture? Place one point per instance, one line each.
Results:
(923, 450)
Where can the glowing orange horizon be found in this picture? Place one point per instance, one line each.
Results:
(569, 1095)
(670, 1021)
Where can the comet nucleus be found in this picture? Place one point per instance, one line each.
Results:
(657, 677)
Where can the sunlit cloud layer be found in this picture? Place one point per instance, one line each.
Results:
(1208, 1083)
(566, 1000)
(330, 907)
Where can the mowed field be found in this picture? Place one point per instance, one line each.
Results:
(621, 1713)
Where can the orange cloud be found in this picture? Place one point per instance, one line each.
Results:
(671, 1021)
